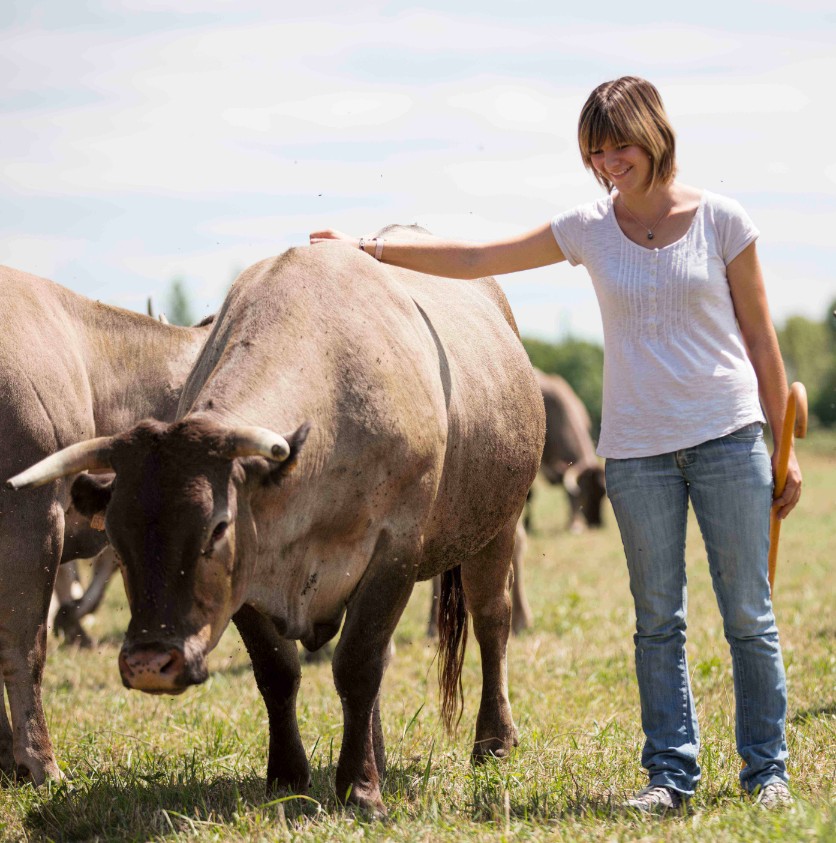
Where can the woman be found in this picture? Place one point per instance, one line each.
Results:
(689, 346)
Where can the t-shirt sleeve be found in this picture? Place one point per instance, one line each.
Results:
(735, 229)
(568, 229)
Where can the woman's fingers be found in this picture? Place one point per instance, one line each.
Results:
(329, 234)
(786, 501)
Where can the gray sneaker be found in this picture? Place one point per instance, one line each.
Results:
(656, 799)
(774, 796)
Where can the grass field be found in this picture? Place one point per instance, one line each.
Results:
(193, 767)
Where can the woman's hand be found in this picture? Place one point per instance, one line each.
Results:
(786, 501)
(330, 234)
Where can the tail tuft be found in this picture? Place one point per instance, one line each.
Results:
(452, 642)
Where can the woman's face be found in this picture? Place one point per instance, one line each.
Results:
(625, 166)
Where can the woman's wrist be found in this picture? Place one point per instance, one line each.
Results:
(372, 246)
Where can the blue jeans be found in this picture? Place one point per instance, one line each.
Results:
(729, 482)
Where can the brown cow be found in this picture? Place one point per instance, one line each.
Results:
(70, 368)
(569, 453)
(415, 429)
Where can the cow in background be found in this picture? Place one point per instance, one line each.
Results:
(70, 602)
(70, 368)
(569, 454)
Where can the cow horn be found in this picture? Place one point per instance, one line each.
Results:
(89, 455)
(570, 479)
(259, 442)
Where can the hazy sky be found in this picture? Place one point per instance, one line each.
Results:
(147, 139)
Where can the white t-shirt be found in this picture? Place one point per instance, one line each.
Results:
(676, 372)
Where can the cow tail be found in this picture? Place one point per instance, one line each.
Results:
(452, 642)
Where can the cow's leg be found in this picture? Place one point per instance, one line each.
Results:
(31, 535)
(65, 578)
(278, 674)
(485, 582)
(103, 567)
(65, 621)
(7, 758)
(576, 523)
(521, 615)
(360, 661)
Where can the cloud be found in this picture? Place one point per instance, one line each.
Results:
(334, 111)
(42, 256)
(243, 131)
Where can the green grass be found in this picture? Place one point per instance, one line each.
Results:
(193, 767)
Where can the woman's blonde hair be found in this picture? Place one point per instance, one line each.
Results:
(628, 110)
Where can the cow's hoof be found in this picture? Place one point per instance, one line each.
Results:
(364, 797)
(370, 805)
(492, 748)
(283, 784)
(67, 626)
(36, 772)
(7, 765)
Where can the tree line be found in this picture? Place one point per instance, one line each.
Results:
(808, 348)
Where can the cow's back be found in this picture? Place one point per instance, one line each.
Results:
(46, 401)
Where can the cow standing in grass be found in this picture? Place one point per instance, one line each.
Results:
(70, 368)
(413, 428)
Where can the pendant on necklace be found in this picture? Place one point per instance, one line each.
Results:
(649, 235)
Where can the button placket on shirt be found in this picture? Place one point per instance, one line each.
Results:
(651, 289)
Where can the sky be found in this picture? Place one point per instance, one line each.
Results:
(146, 140)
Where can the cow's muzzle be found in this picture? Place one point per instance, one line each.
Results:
(160, 668)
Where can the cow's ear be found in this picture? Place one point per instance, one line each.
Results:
(267, 472)
(91, 495)
(296, 440)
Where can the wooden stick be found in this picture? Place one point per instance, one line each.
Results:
(795, 421)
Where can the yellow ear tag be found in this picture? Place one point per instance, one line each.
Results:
(97, 522)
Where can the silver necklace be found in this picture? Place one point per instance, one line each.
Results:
(650, 234)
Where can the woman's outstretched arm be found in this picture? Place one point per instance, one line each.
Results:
(457, 259)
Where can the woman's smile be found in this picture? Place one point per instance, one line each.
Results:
(616, 162)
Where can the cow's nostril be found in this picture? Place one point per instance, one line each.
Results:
(152, 667)
(174, 664)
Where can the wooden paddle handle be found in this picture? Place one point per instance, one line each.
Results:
(795, 422)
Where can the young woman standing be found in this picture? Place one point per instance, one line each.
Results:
(689, 348)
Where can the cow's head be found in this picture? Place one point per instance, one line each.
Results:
(593, 488)
(587, 487)
(176, 517)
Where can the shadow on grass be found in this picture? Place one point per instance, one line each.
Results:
(140, 805)
(808, 714)
(139, 808)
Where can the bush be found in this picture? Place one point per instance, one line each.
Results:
(581, 363)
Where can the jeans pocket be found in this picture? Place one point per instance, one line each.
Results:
(750, 433)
